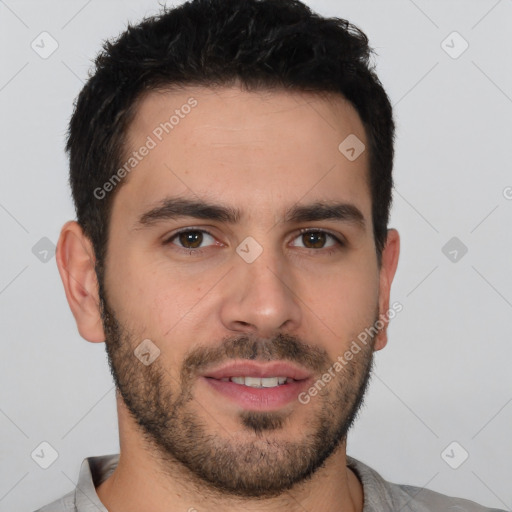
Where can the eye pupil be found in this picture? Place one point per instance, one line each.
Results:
(314, 240)
(191, 239)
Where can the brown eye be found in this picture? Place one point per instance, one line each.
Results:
(314, 240)
(191, 239)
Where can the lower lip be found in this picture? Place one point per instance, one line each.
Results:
(259, 399)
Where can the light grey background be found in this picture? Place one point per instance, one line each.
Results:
(445, 374)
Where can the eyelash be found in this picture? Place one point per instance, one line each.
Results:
(192, 251)
(339, 244)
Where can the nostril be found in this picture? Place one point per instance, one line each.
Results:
(240, 324)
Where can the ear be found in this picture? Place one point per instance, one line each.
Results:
(75, 260)
(390, 255)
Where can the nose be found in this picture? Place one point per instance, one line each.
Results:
(260, 298)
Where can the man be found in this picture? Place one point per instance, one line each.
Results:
(230, 163)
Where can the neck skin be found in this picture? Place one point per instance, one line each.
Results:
(138, 484)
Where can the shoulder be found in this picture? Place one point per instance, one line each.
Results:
(380, 495)
(64, 504)
(417, 499)
(84, 498)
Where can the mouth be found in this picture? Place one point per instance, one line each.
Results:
(258, 386)
(258, 382)
(258, 375)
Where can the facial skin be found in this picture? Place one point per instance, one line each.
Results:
(304, 299)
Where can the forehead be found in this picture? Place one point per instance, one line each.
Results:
(254, 150)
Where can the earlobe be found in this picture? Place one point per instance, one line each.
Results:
(75, 261)
(390, 255)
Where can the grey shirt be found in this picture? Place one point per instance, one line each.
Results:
(379, 495)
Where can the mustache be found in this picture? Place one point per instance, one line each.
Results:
(280, 347)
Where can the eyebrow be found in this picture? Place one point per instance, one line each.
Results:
(175, 207)
(172, 208)
(344, 212)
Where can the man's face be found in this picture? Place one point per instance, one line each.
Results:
(276, 279)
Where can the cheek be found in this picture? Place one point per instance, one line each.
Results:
(345, 300)
(155, 298)
(178, 312)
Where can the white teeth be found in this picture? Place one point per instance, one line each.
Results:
(253, 382)
(269, 382)
(257, 382)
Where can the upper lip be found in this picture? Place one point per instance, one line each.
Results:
(255, 369)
